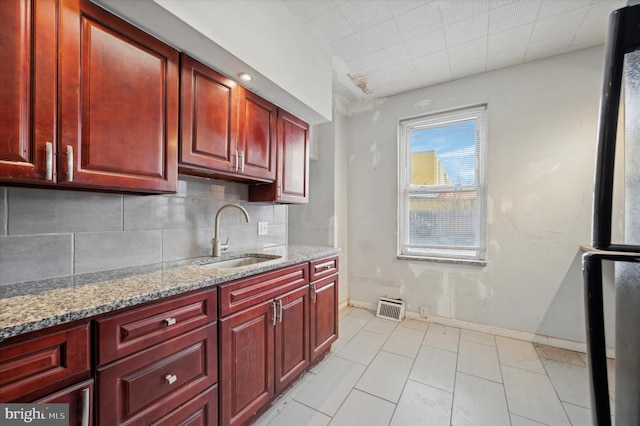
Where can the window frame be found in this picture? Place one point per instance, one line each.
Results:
(479, 114)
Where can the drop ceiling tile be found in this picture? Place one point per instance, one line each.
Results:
(394, 73)
(513, 15)
(310, 9)
(584, 39)
(598, 15)
(400, 7)
(506, 58)
(436, 76)
(425, 44)
(565, 23)
(467, 30)
(468, 51)
(464, 69)
(381, 59)
(367, 41)
(432, 61)
(410, 83)
(548, 47)
(363, 14)
(494, 4)
(330, 26)
(420, 20)
(458, 10)
(553, 8)
(509, 39)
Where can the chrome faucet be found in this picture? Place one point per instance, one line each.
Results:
(217, 246)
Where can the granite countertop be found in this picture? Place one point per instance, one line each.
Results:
(37, 305)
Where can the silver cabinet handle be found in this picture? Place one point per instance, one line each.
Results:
(171, 378)
(85, 407)
(274, 313)
(170, 321)
(280, 310)
(236, 160)
(242, 161)
(313, 292)
(49, 161)
(69, 163)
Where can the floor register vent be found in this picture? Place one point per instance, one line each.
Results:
(392, 309)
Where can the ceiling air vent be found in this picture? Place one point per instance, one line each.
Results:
(392, 309)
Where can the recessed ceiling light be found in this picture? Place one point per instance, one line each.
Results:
(245, 76)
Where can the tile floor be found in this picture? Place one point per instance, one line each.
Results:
(415, 373)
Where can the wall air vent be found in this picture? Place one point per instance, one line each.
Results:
(392, 309)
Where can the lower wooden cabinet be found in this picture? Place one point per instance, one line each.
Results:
(323, 315)
(201, 410)
(80, 400)
(144, 387)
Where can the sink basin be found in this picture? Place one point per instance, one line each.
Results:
(239, 261)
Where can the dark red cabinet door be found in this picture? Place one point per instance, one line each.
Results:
(118, 110)
(209, 117)
(257, 137)
(324, 315)
(27, 74)
(246, 362)
(292, 336)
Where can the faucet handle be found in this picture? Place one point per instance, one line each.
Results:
(225, 245)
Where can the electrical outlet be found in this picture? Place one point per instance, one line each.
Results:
(263, 228)
(423, 311)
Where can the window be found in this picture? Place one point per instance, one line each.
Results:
(442, 197)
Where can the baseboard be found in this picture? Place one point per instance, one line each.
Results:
(498, 331)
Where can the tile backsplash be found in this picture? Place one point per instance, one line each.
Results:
(46, 233)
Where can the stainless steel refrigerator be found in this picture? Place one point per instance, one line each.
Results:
(619, 103)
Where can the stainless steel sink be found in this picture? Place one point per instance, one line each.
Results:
(239, 261)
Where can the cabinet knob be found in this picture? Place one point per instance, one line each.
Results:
(171, 378)
(170, 321)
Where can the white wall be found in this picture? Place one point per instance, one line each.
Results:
(542, 128)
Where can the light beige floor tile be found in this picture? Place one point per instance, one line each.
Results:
(478, 402)
(386, 376)
(363, 347)
(283, 400)
(414, 324)
(349, 326)
(327, 390)
(345, 311)
(435, 367)
(443, 337)
(557, 354)
(521, 421)
(479, 360)
(477, 337)
(404, 341)
(362, 409)
(381, 326)
(531, 395)
(578, 416)
(422, 405)
(294, 413)
(519, 354)
(571, 382)
(363, 314)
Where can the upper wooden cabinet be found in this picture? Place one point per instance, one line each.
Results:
(292, 177)
(27, 73)
(107, 120)
(226, 131)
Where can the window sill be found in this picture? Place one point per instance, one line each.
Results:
(443, 260)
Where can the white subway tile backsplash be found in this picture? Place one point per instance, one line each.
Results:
(46, 211)
(186, 243)
(157, 213)
(34, 257)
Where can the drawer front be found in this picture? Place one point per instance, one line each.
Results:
(324, 267)
(144, 387)
(79, 397)
(202, 410)
(128, 332)
(44, 363)
(245, 293)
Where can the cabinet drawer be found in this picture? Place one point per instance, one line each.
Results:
(79, 397)
(244, 293)
(201, 410)
(146, 386)
(324, 267)
(128, 332)
(44, 363)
